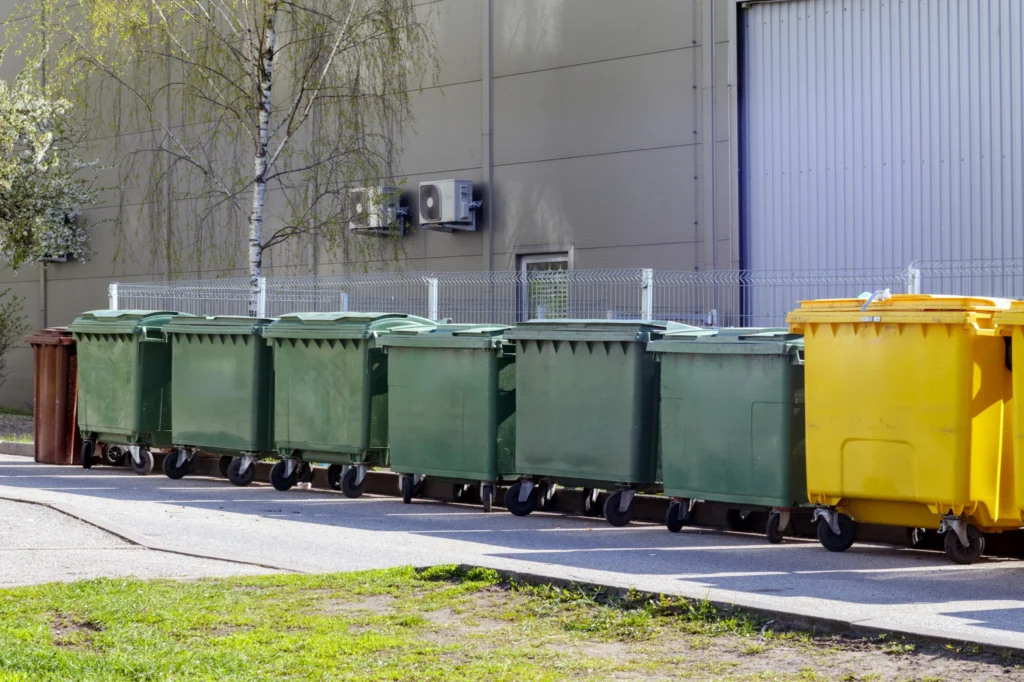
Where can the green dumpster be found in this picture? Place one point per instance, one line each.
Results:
(732, 423)
(331, 393)
(586, 396)
(124, 384)
(223, 398)
(451, 405)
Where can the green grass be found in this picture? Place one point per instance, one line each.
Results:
(26, 438)
(398, 624)
(15, 411)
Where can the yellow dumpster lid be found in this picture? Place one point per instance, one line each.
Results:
(909, 303)
(1014, 317)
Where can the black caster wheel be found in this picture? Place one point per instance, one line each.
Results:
(841, 542)
(171, 468)
(278, 478)
(590, 505)
(145, 464)
(517, 507)
(487, 497)
(348, 484)
(917, 537)
(334, 476)
(113, 455)
(678, 515)
(773, 529)
(614, 515)
(193, 463)
(222, 465)
(88, 447)
(237, 476)
(970, 554)
(305, 472)
(407, 487)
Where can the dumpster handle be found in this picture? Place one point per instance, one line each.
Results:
(880, 295)
(162, 338)
(798, 357)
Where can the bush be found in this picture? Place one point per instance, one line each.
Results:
(12, 327)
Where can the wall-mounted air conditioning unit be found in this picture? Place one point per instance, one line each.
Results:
(377, 210)
(448, 205)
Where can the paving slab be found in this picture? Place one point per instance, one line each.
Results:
(912, 591)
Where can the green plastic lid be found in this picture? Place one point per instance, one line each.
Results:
(728, 340)
(121, 321)
(218, 324)
(448, 336)
(343, 325)
(592, 330)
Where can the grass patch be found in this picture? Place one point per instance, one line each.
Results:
(442, 623)
(15, 411)
(10, 438)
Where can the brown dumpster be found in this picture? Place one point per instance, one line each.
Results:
(57, 440)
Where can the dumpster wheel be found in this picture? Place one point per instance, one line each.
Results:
(239, 477)
(407, 486)
(618, 508)
(487, 496)
(680, 513)
(590, 505)
(174, 468)
(334, 476)
(352, 483)
(775, 529)
(961, 554)
(223, 463)
(142, 460)
(281, 478)
(519, 501)
(88, 447)
(837, 542)
(113, 455)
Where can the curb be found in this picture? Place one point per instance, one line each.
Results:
(865, 629)
(139, 539)
(17, 448)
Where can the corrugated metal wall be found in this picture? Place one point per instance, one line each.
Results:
(876, 132)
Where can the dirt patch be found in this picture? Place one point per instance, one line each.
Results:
(16, 426)
(71, 632)
(377, 604)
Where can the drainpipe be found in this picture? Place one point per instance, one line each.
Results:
(488, 128)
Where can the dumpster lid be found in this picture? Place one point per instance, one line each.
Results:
(448, 336)
(120, 321)
(1012, 317)
(594, 330)
(739, 340)
(343, 325)
(50, 336)
(217, 324)
(909, 302)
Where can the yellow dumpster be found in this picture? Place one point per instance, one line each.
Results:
(907, 417)
(1010, 324)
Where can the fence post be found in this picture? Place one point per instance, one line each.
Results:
(914, 276)
(112, 295)
(432, 312)
(261, 300)
(344, 302)
(647, 294)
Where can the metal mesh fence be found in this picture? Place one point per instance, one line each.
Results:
(713, 298)
(1002, 277)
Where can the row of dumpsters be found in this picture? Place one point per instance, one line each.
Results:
(893, 410)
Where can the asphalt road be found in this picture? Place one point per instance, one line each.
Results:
(312, 531)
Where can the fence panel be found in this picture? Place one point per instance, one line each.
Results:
(712, 298)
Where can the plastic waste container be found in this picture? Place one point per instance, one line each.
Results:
(732, 423)
(124, 382)
(586, 409)
(1010, 324)
(451, 407)
(905, 405)
(331, 394)
(223, 398)
(54, 357)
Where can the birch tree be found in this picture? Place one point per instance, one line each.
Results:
(256, 116)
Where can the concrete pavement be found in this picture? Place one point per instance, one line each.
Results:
(870, 586)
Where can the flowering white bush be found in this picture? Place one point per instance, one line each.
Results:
(43, 187)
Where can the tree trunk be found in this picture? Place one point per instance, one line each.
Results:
(259, 189)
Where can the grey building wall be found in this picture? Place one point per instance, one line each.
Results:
(607, 130)
(880, 132)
